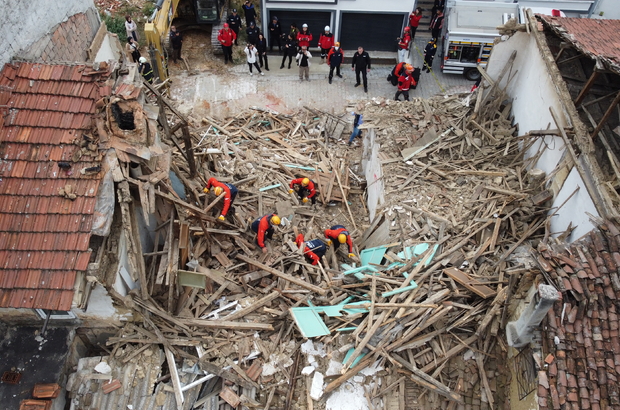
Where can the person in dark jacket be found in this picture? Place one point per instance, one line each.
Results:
(275, 34)
(234, 22)
(252, 31)
(361, 65)
(250, 12)
(176, 40)
(313, 250)
(294, 31)
(146, 70)
(290, 50)
(437, 24)
(429, 54)
(261, 46)
(335, 57)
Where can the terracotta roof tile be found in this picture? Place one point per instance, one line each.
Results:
(44, 237)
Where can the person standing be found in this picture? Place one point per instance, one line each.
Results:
(429, 54)
(326, 42)
(405, 82)
(338, 235)
(132, 50)
(403, 45)
(305, 189)
(176, 39)
(414, 21)
(358, 119)
(131, 28)
(263, 227)
(294, 31)
(361, 65)
(261, 47)
(252, 31)
(230, 193)
(303, 59)
(437, 24)
(146, 70)
(335, 57)
(251, 53)
(250, 12)
(304, 37)
(290, 50)
(234, 21)
(226, 37)
(275, 34)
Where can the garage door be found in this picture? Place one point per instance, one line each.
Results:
(375, 32)
(316, 21)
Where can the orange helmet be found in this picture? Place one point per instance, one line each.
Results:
(305, 182)
(409, 68)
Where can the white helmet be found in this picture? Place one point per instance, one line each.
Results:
(326, 28)
(304, 26)
(142, 60)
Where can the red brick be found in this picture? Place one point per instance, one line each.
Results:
(110, 386)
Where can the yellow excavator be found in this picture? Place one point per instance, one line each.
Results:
(157, 28)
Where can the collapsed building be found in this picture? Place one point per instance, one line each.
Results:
(472, 215)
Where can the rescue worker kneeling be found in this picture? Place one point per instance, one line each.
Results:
(229, 191)
(263, 227)
(305, 189)
(313, 250)
(338, 235)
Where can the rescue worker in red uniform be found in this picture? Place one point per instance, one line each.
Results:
(304, 37)
(326, 42)
(405, 82)
(338, 235)
(263, 227)
(305, 189)
(403, 45)
(227, 37)
(229, 191)
(313, 250)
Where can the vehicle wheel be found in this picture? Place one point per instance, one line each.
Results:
(472, 74)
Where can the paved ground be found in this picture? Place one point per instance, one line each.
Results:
(280, 89)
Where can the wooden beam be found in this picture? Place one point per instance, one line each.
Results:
(174, 375)
(259, 303)
(275, 272)
(226, 324)
(586, 88)
(189, 151)
(606, 116)
(428, 382)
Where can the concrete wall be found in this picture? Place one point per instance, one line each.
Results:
(44, 30)
(609, 8)
(533, 90)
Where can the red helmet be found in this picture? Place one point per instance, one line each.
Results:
(407, 29)
(225, 25)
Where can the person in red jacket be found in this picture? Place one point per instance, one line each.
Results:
(263, 227)
(405, 82)
(304, 37)
(313, 250)
(414, 21)
(338, 235)
(227, 37)
(403, 45)
(326, 42)
(229, 191)
(305, 189)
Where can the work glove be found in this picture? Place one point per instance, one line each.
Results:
(205, 190)
(351, 255)
(290, 191)
(221, 217)
(329, 243)
(304, 200)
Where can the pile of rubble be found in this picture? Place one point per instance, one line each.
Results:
(412, 321)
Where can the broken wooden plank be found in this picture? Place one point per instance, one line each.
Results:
(470, 283)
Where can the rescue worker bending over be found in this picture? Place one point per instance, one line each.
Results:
(230, 193)
(263, 227)
(305, 189)
(313, 250)
(337, 235)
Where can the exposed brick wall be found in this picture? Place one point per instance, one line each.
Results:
(67, 41)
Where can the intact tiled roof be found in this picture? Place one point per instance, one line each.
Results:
(597, 38)
(44, 237)
(582, 329)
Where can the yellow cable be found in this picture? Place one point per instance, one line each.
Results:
(432, 72)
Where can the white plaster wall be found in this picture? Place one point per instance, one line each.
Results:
(22, 22)
(575, 210)
(533, 91)
(609, 8)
